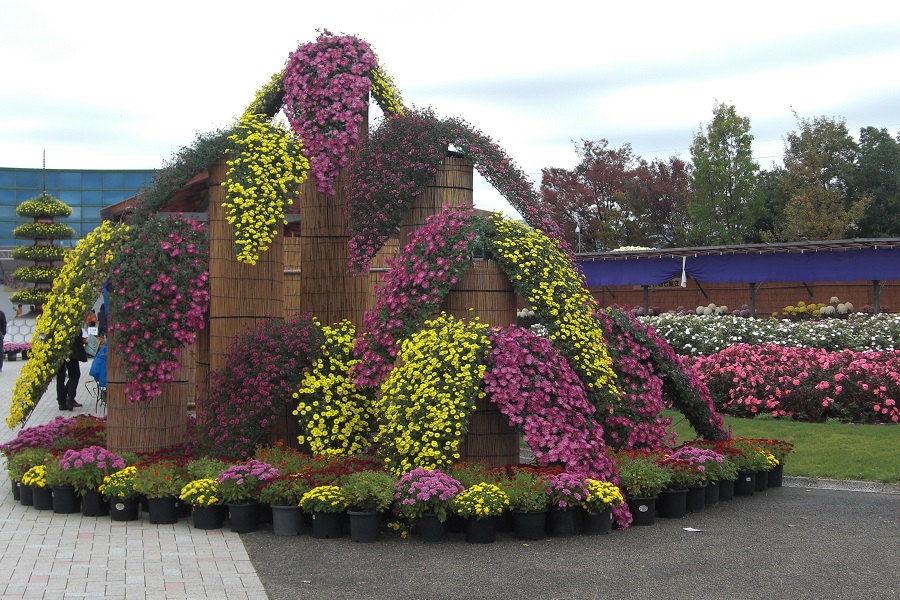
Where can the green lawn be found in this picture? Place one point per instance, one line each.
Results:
(830, 450)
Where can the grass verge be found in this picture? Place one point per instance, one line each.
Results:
(829, 450)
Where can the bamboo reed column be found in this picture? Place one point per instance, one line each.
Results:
(484, 292)
(240, 295)
(152, 426)
(327, 287)
(452, 186)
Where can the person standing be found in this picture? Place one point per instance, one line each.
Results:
(2, 336)
(69, 373)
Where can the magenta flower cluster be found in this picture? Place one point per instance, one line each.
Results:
(263, 369)
(326, 94)
(97, 457)
(566, 489)
(403, 155)
(635, 421)
(436, 256)
(426, 489)
(251, 472)
(532, 383)
(506, 177)
(807, 384)
(682, 385)
(39, 436)
(159, 296)
(400, 157)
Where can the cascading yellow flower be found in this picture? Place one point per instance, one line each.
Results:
(75, 290)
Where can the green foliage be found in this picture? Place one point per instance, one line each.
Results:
(18, 463)
(879, 179)
(820, 162)
(369, 491)
(641, 476)
(526, 491)
(726, 203)
(185, 164)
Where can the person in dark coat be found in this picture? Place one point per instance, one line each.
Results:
(69, 373)
(2, 335)
(102, 322)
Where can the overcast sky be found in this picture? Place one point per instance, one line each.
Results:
(106, 85)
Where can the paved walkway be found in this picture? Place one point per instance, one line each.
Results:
(51, 556)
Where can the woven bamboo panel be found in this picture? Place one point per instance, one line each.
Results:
(377, 276)
(147, 427)
(292, 279)
(452, 186)
(483, 291)
(491, 439)
(286, 429)
(240, 294)
(327, 288)
(201, 375)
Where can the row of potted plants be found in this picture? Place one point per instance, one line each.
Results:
(328, 490)
(12, 350)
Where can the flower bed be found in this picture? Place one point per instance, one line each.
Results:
(805, 384)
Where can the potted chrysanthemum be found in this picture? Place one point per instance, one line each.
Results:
(84, 470)
(239, 488)
(207, 508)
(283, 494)
(602, 496)
(479, 505)
(327, 505)
(424, 496)
(368, 495)
(119, 489)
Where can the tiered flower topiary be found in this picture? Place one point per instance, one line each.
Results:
(74, 291)
(43, 208)
(426, 402)
(159, 295)
(335, 416)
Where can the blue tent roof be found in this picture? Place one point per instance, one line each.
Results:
(843, 260)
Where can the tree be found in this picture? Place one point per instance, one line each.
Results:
(594, 196)
(879, 179)
(725, 203)
(821, 175)
(661, 201)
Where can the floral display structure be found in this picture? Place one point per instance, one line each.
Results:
(159, 288)
(43, 209)
(74, 291)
